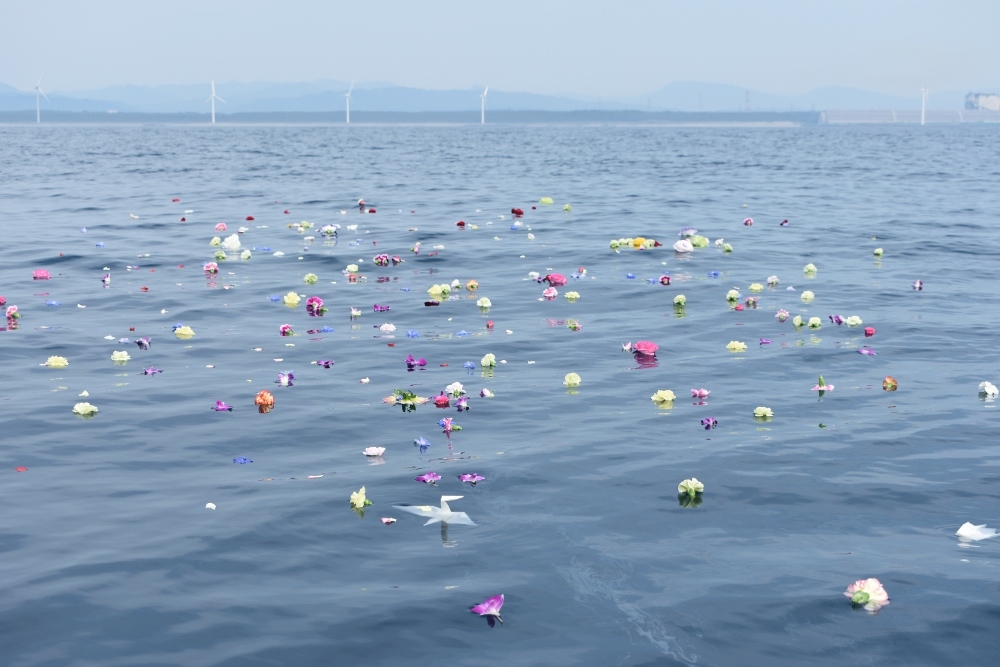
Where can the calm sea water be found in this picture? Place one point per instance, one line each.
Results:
(110, 557)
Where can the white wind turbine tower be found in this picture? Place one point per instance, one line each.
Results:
(39, 94)
(212, 100)
(923, 104)
(482, 110)
(348, 98)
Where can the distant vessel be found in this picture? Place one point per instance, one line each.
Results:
(982, 102)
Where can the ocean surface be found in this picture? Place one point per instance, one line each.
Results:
(109, 556)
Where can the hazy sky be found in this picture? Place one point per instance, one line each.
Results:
(590, 47)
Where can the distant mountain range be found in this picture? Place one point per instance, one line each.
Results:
(328, 96)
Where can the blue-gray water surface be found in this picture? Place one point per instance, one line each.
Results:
(111, 558)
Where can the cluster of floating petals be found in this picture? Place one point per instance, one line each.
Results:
(867, 593)
(151, 371)
(700, 393)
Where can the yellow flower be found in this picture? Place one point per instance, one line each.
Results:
(809, 269)
(699, 241)
(245, 255)
(680, 300)
(120, 356)
(797, 321)
(216, 240)
(853, 321)
(483, 302)
(756, 287)
(807, 296)
(727, 247)
(184, 332)
(662, 397)
(762, 412)
(736, 346)
(878, 252)
(488, 360)
(85, 409)
(572, 380)
(637, 242)
(310, 279)
(545, 201)
(57, 362)
(358, 499)
(472, 285)
(572, 296)
(352, 268)
(292, 299)
(733, 295)
(815, 323)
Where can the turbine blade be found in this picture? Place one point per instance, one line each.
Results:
(43, 94)
(349, 90)
(486, 91)
(220, 99)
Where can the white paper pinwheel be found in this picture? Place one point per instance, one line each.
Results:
(441, 514)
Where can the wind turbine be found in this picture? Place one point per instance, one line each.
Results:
(39, 93)
(212, 100)
(482, 112)
(923, 104)
(348, 98)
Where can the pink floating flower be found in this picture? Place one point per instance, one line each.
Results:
(41, 274)
(490, 608)
(12, 313)
(824, 387)
(314, 307)
(700, 393)
(748, 222)
(431, 478)
(412, 363)
(550, 293)
(869, 332)
(781, 315)
(471, 478)
(868, 593)
(388, 520)
(285, 330)
(555, 279)
(664, 279)
(442, 401)
(645, 347)
(381, 260)
(222, 407)
(210, 267)
(221, 227)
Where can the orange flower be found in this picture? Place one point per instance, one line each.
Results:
(264, 401)
(889, 383)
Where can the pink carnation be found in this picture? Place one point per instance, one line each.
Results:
(41, 274)
(645, 347)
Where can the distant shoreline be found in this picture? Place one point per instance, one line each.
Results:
(503, 117)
